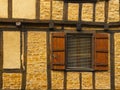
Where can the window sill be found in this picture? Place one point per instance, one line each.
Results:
(80, 69)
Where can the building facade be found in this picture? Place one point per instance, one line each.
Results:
(26, 28)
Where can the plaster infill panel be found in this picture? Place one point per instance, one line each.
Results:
(24, 9)
(11, 50)
(3, 8)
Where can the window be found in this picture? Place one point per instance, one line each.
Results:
(79, 51)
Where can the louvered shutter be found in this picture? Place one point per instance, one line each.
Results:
(101, 52)
(58, 51)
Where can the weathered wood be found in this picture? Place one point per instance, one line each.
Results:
(37, 9)
(65, 81)
(58, 51)
(94, 11)
(65, 11)
(80, 80)
(101, 52)
(80, 12)
(24, 71)
(112, 61)
(93, 81)
(79, 17)
(51, 9)
(10, 9)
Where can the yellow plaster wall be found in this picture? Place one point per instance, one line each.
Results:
(3, 9)
(11, 49)
(24, 9)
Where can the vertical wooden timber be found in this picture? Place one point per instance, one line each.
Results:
(65, 81)
(94, 11)
(49, 84)
(80, 12)
(65, 18)
(93, 80)
(65, 11)
(112, 61)
(24, 72)
(79, 17)
(1, 58)
(79, 20)
(51, 5)
(106, 11)
(93, 73)
(9, 8)
(119, 10)
(106, 14)
(80, 80)
(37, 9)
(21, 50)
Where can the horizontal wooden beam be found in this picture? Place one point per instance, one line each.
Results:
(12, 71)
(39, 23)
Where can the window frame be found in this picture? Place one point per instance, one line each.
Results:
(92, 53)
(100, 56)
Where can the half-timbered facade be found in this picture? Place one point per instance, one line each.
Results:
(59, 44)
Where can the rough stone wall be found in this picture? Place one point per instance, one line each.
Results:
(11, 81)
(36, 59)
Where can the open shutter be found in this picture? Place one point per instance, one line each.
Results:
(101, 52)
(58, 51)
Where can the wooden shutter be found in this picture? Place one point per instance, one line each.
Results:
(58, 51)
(101, 52)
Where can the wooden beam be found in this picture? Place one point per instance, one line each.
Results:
(49, 82)
(80, 80)
(10, 9)
(11, 71)
(65, 11)
(112, 61)
(24, 73)
(94, 11)
(65, 81)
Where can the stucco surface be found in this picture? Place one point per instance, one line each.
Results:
(11, 49)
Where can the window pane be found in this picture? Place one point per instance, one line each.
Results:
(11, 49)
(79, 51)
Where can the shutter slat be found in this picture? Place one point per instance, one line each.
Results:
(58, 51)
(101, 52)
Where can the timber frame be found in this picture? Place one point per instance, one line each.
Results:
(50, 26)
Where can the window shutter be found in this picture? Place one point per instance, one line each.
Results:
(101, 52)
(58, 51)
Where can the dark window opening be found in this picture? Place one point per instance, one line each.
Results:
(79, 51)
